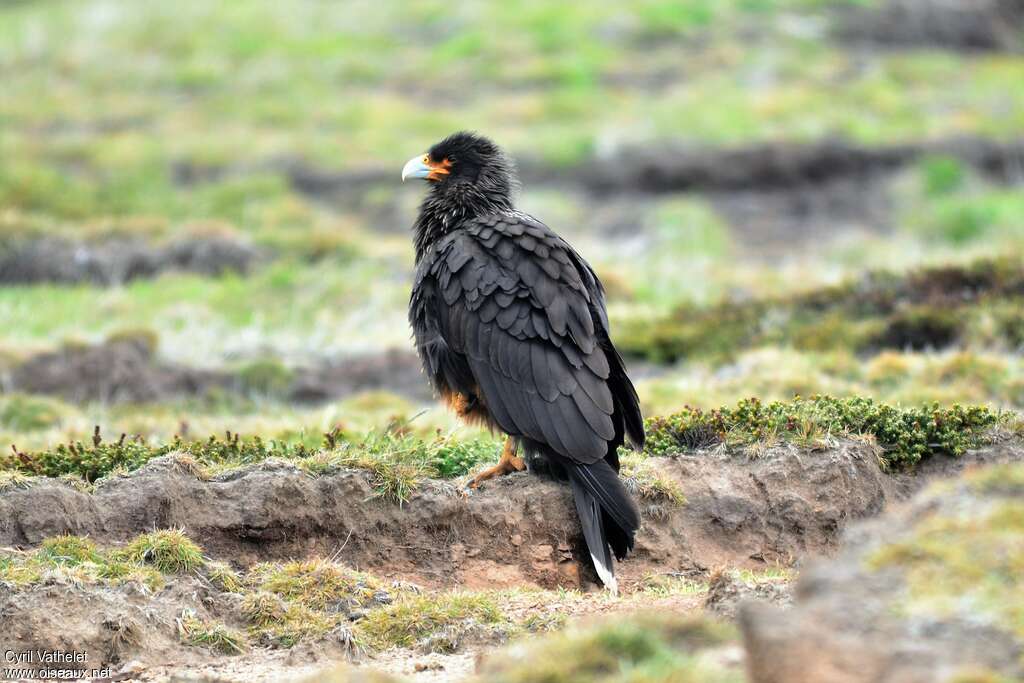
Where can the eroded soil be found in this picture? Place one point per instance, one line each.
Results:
(763, 512)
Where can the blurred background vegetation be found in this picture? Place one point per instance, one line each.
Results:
(202, 226)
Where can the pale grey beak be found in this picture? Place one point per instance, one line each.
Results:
(415, 168)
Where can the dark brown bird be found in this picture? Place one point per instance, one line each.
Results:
(510, 323)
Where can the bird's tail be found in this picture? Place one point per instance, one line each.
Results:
(609, 517)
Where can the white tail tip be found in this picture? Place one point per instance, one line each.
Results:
(606, 575)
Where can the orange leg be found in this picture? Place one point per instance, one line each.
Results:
(509, 463)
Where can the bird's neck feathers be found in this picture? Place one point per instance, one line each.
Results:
(449, 204)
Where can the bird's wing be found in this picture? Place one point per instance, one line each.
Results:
(514, 302)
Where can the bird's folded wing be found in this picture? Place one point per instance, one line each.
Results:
(514, 303)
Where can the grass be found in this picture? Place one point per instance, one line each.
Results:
(168, 550)
(643, 480)
(11, 480)
(215, 636)
(143, 561)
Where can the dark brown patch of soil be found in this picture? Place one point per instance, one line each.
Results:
(114, 261)
(981, 25)
(397, 371)
(774, 166)
(117, 371)
(129, 370)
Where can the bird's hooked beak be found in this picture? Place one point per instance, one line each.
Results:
(423, 167)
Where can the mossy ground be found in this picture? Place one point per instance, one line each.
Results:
(966, 559)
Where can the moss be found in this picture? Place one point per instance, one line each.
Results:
(644, 648)
(437, 623)
(168, 550)
(216, 636)
(905, 434)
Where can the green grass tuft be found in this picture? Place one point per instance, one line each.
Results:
(69, 550)
(215, 636)
(168, 550)
(224, 577)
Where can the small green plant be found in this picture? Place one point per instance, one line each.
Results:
(224, 577)
(645, 481)
(905, 434)
(451, 458)
(941, 175)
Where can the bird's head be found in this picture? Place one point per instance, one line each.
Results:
(464, 166)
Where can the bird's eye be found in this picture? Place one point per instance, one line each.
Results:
(451, 158)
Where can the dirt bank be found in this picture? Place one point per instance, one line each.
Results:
(740, 512)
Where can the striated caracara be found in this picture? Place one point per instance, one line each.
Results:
(510, 324)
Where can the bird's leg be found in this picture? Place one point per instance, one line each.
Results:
(509, 463)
